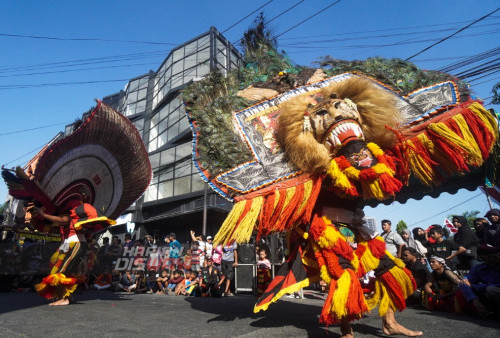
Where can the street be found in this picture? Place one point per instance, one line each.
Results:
(108, 314)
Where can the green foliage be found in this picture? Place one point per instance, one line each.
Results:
(401, 226)
(403, 76)
(496, 93)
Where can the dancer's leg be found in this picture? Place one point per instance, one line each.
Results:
(391, 327)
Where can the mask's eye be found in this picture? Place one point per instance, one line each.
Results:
(322, 112)
(337, 104)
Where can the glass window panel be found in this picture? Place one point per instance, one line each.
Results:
(139, 124)
(183, 124)
(182, 185)
(177, 80)
(162, 139)
(197, 182)
(202, 70)
(183, 150)
(191, 48)
(174, 116)
(153, 132)
(190, 61)
(155, 161)
(167, 174)
(163, 126)
(177, 67)
(168, 63)
(183, 168)
(142, 94)
(165, 189)
(140, 107)
(151, 193)
(189, 75)
(164, 111)
(168, 156)
(154, 120)
(172, 132)
(143, 82)
(134, 85)
(204, 41)
(152, 145)
(176, 102)
(178, 54)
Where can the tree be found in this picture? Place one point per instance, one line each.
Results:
(401, 226)
(496, 93)
(3, 207)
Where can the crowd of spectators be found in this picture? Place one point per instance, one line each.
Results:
(459, 273)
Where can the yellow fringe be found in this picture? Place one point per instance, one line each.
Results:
(339, 178)
(420, 168)
(380, 298)
(372, 190)
(475, 157)
(325, 276)
(244, 231)
(488, 119)
(308, 185)
(341, 294)
(229, 223)
(368, 261)
(403, 280)
(330, 236)
(437, 156)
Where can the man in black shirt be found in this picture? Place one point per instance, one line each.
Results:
(444, 248)
(210, 281)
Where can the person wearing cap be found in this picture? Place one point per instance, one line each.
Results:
(481, 286)
(209, 247)
(492, 231)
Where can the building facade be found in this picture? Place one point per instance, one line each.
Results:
(177, 199)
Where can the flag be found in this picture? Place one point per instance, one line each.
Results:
(450, 225)
(492, 192)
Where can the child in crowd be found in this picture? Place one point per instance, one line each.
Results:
(115, 280)
(162, 281)
(151, 281)
(103, 281)
(174, 280)
(186, 287)
(140, 282)
(263, 272)
(187, 260)
(217, 255)
(195, 256)
(128, 280)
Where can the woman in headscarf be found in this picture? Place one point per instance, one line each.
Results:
(420, 235)
(442, 292)
(411, 242)
(467, 238)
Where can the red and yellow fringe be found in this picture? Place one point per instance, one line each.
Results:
(279, 210)
(450, 146)
(56, 286)
(376, 182)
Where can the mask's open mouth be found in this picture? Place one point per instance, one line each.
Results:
(342, 133)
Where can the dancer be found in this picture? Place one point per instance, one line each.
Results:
(64, 273)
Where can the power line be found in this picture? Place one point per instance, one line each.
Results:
(246, 16)
(55, 84)
(85, 39)
(449, 36)
(285, 11)
(442, 212)
(31, 129)
(308, 18)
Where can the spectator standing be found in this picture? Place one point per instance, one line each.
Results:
(201, 246)
(175, 250)
(263, 272)
(492, 232)
(128, 241)
(102, 262)
(228, 263)
(195, 256)
(217, 256)
(466, 238)
(209, 247)
(154, 259)
(393, 242)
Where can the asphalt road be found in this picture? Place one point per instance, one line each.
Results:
(108, 314)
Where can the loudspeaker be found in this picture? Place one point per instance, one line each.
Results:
(246, 253)
(245, 279)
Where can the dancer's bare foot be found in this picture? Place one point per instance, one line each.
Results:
(63, 302)
(56, 302)
(346, 329)
(391, 327)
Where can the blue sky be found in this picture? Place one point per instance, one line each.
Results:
(95, 46)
